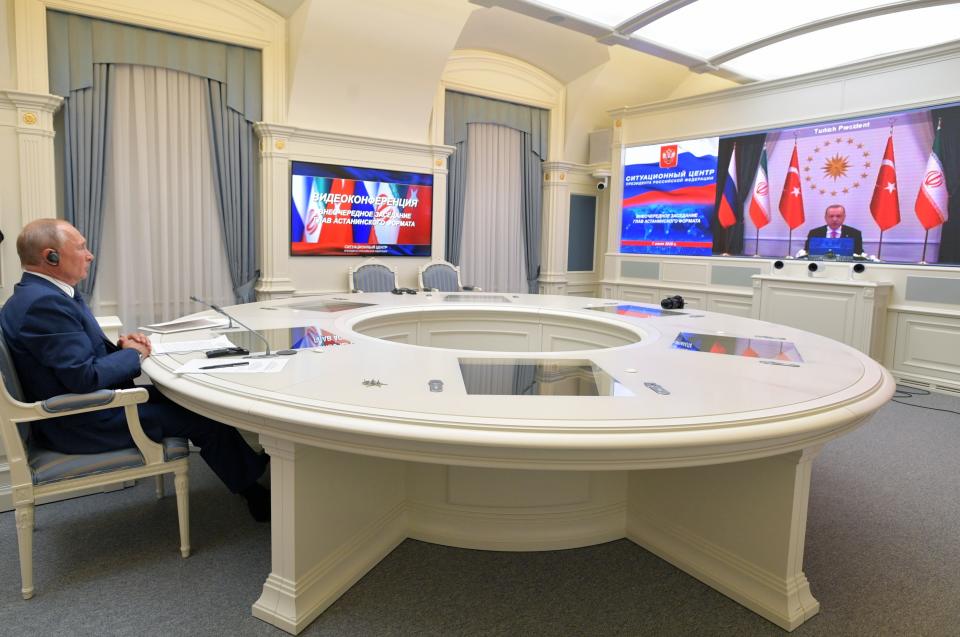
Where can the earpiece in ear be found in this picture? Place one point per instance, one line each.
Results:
(53, 257)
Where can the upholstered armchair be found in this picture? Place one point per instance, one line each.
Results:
(372, 276)
(39, 474)
(442, 276)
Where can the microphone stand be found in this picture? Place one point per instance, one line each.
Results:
(267, 353)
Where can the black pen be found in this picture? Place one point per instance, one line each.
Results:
(225, 365)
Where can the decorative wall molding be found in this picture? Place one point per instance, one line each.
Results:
(467, 68)
(35, 158)
(555, 227)
(509, 79)
(904, 61)
(283, 275)
(504, 78)
(282, 136)
(923, 78)
(243, 22)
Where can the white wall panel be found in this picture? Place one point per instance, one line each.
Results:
(738, 306)
(697, 273)
(928, 348)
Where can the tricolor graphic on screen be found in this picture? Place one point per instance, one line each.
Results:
(668, 197)
(344, 210)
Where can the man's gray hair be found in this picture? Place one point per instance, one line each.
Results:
(37, 236)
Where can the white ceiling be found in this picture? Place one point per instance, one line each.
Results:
(562, 53)
(748, 40)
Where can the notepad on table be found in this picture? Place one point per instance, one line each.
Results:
(183, 325)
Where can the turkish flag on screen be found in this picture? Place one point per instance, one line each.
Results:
(885, 205)
(791, 200)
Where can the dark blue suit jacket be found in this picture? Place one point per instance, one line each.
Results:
(58, 348)
(846, 232)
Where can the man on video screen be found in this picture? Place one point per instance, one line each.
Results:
(834, 216)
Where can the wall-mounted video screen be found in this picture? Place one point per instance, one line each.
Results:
(884, 187)
(353, 211)
(668, 198)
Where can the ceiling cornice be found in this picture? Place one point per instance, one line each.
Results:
(850, 71)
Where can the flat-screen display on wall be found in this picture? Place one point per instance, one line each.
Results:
(353, 211)
(879, 187)
(668, 197)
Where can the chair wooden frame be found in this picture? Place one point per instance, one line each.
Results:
(26, 493)
(368, 262)
(455, 268)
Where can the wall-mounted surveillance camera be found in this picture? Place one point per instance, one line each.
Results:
(813, 267)
(603, 183)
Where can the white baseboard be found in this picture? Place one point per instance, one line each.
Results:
(292, 605)
(787, 603)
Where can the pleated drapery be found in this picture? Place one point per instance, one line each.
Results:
(233, 145)
(85, 135)
(462, 110)
(532, 209)
(456, 194)
(493, 246)
(75, 43)
(163, 240)
(82, 49)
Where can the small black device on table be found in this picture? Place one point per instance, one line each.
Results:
(227, 351)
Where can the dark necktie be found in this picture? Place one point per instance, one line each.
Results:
(83, 305)
(93, 320)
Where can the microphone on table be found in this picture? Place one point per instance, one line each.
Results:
(267, 353)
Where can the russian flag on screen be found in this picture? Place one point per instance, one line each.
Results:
(725, 214)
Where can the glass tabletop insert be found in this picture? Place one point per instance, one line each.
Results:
(330, 306)
(475, 298)
(306, 337)
(639, 311)
(763, 348)
(537, 377)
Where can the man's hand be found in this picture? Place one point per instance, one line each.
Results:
(137, 341)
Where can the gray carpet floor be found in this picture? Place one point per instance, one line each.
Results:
(882, 556)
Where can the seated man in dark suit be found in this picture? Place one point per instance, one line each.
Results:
(58, 348)
(834, 216)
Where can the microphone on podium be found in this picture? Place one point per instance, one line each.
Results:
(267, 353)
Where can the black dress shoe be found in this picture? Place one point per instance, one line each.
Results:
(258, 501)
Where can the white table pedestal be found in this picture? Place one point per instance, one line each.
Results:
(738, 527)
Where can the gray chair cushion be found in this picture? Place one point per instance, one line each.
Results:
(51, 466)
(9, 372)
(374, 278)
(12, 382)
(441, 277)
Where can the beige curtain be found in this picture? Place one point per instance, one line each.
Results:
(163, 237)
(492, 251)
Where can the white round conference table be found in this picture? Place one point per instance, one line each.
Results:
(530, 422)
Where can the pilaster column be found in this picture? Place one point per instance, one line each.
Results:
(556, 223)
(439, 233)
(274, 281)
(35, 153)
